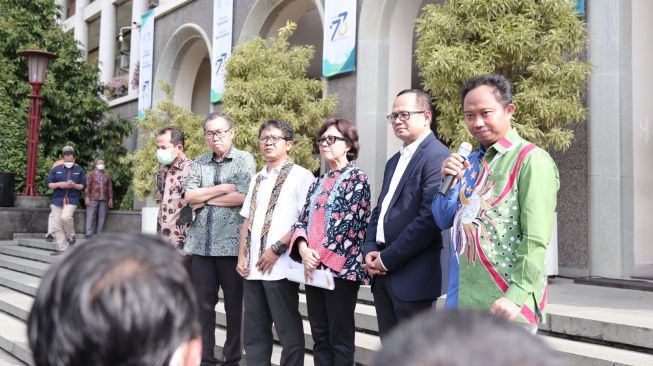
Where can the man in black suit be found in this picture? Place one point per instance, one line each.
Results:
(402, 245)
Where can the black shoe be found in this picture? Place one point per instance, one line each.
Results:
(72, 241)
(49, 238)
(56, 252)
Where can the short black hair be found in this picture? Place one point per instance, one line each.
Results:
(423, 99)
(214, 115)
(461, 338)
(176, 135)
(498, 82)
(121, 299)
(284, 126)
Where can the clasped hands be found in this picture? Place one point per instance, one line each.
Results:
(373, 265)
(264, 264)
(310, 258)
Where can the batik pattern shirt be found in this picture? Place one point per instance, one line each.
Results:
(98, 186)
(216, 229)
(501, 219)
(170, 181)
(334, 219)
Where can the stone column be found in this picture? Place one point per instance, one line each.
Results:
(108, 34)
(81, 27)
(610, 138)
(138, 8)
(62, 4)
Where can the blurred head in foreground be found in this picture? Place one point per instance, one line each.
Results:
(118, 300)
(463, 338)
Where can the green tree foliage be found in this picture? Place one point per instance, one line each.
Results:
(166, 114)
(537, 44)
(72, 110)
(267, 80)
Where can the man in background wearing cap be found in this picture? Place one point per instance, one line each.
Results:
(66, 181)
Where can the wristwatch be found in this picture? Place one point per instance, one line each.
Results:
(279, 248)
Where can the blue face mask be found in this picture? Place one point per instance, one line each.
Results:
(164, 156)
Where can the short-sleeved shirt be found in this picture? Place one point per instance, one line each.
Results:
(216, 230)
(70, 196)
(290, 203)
(170, 181)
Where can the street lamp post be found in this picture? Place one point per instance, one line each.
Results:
(37, 63)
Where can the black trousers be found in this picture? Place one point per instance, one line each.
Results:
(331, 315)
(390, 310)
(267, 302)
(208, 275)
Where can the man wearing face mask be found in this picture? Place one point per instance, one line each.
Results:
(170, 181)
(99, 196)
(66, 181)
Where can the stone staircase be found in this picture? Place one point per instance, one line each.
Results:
(589, 325)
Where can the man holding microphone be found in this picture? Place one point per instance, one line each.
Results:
(500, 210)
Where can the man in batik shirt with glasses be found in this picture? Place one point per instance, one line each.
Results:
(219, 180)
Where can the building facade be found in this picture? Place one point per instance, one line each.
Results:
(605, 197)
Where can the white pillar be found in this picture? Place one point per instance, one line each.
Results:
(62, 4)
(609, 135)
(138, 8)
(108, 34)
(81, 27)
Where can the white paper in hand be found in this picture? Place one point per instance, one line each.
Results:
(322, 278)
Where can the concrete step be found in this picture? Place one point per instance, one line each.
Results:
(588, 354)
(366, 344)
(7, 359)
(13, 338)
(20, 251)
(43, 244)
(41, 236)
(18, 281)
(605, 315)
(221, 336)
(15, 303)
(23, 265)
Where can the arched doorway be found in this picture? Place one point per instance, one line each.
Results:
(386, 66)
(266, 17)
(185, 64)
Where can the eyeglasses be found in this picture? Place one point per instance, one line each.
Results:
(217, 133)
(330, 140)
(274, 139)
(403, 116)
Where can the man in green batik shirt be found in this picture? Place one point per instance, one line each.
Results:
(500, 211)
(218, 180)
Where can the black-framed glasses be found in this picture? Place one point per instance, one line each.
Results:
(273, 138)
(403, 116)
(217, 133)
(330, 140)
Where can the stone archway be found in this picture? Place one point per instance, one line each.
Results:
(385, 54)
(266, 17)
(181, 62)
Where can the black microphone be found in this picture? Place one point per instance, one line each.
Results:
(464, 150)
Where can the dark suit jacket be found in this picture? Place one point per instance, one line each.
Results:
(412, 240)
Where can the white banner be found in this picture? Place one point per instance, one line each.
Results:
(145, 63)
(339, 55)
(223, 11)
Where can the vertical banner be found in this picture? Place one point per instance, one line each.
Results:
(223, 11)
(339, 54)
(145, 63)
